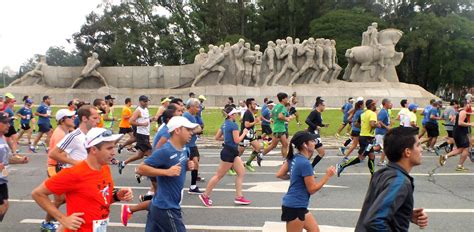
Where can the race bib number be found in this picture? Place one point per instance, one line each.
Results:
(28, 117)
(100, 225)
(48, 112)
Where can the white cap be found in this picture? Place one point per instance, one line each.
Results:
(360, 99)
(97, 135)
(272, 104)
(468, 96)
(234, 111)
(64, 113)
(179, 121)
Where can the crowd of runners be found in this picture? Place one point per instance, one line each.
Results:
(82, 146)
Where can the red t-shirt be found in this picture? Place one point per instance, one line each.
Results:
(88, 191)
(469, 110)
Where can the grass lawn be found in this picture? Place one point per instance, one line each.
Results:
(213, 119)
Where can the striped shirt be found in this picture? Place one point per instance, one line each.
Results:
(74, 145)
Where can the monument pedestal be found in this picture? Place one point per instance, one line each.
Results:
(335, 94)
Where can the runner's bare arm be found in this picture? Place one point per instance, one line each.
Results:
(312, 186)
(61, 156)
(146, 170)
(219, 136)
(135, 116)
(283, 172)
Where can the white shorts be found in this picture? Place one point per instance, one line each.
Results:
(379, 140)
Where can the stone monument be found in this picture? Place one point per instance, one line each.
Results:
(36, 74)
(90, 70)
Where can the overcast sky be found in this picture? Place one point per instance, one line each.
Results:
(29, 27)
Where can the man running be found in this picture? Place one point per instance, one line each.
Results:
(26, 116)
(44, 123)
(248, 122)
(315, 123)
(101, 109)
(426, 117)
(266, 122)
(192, 110)
(449, 116)
(199, 119)
(88, 187)
(383, 120)
(109, 113)
(346, 108)
(432, 128)
(404, 112)
(293, 111)
(11, 137)
(125, 127)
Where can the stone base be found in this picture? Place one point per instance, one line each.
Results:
(335, 94)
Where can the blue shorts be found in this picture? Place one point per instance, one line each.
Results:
(44, 128)
(164, 220)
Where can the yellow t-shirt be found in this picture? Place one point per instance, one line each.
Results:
(125, 123)
(365, 128)
(412, 117)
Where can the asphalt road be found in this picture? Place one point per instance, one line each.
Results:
(448, 197)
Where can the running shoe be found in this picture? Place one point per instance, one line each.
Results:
(232, 172)
(120, 147)
(205, 200)
(342, 151)
(32, 149)
(345, 159)
(121, 166)
(201, 179)
(146, 197)
(436, 150)
(339, 169)
(443, 159)
(461, 169)
(242, 201)
(139, 178)
(259, 159)
(265, 145)
(125, 214)
(195, 191)
(249, 167)
(48, 227)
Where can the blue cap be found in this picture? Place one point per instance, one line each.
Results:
(412, 106)
(29, 101)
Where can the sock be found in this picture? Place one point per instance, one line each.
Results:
(351, 162)
(252, 157)
(150, 193)
(371, 166)
(443, 144)
(347, 142)
(316, 160)
(194, 176)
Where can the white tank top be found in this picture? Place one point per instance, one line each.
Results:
(145, 117)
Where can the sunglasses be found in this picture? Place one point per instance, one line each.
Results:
(106, 133)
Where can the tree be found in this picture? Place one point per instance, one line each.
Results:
(57, 56)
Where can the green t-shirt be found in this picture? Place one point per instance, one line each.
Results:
(278, 124)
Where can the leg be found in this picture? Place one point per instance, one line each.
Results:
(355, 142)
(274, 143)
(3, 209)
(139, 207)
(321, 153)
(295, 226)
(310, 223)
(239, 179)
(139, 155)
(37, 139)
(221, 171)
(284, 146)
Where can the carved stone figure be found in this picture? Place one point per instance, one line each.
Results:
(336, 68)
(269, 56)
(366, 36)
(238, 53)
(37, 72)
(90, 70)
(321, 68)
(201, 57)
(288, 55)
(280, 45)
(257, 65)
(249, 60)
(308, 51)
(212, 65)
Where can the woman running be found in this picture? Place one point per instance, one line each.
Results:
(302, 183)
(229, 132)
(355, 131)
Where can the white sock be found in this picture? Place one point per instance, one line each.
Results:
(192, 186)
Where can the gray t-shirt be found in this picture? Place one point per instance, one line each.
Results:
(449, 112)
(4, 158)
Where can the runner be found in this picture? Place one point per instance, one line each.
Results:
(192, 110)
(11, 137)
(279, 130)
(315, 123)
(355, 131)
(426, 117)
(248, 122)
(109, 113)
(140, 119)
(412, 119)
(404, 112)
(125, 127)
(388, 205)
(6, 158)
(165, 102)
(432, 128)
(101, 106)
(449, 116)
(65, 124)
(26, 115)
(229, 133)
(242, 108)
(461, 138)
(44, 123)
(368, 122)
(383, 120)
(199, 119)
(302, 183)
(169, 164)
(266, 123)
(88, 187)
(346, 108)
(293, 111)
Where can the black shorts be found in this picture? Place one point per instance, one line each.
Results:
(292, 111)
(267, 129)
(134, 129)
(450, 133)
(193, 152)
(44, 128)
(125, 130)
(462, 140)
(25, 126)
(290, 214)
(229, 153)
(364, 142)
(279, 134)
(11, 131)
(432, 130)
(143, 142)
(355, 133)
(3, 193)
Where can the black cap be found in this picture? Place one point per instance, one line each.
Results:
(301, 137)
(4, 118)
(109, 97)
(369, 102)
(45, 98)
(143, 98)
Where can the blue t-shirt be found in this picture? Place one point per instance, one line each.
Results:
(266, 114)
(191, 118)
(168, 192)
(426, 114)
(355, 118)
(44, 109)
(5, 155)
(227, 128)
(383, 117)
(297, 195)
(264, 107)
(163, 132)
(25, 111)
(11, 114)
(435, 112)
(199, 116)
(346, 108)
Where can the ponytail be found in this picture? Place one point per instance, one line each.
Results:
(291, 153)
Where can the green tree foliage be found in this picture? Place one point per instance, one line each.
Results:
(57, 56)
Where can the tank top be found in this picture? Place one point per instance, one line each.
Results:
(109, 124)
(460, 130)
(145, 117)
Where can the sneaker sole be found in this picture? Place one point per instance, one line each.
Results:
(204, 203)
(242, 203)
(194, 193)
(122, 218)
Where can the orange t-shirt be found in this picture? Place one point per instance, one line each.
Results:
(88, 191)
(56, 137)
(125, 123)
(101, 121)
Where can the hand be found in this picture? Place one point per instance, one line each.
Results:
(174, 170)
(420, 218)
(125, 194)
(330, 171)
(191, 165)
(73, 221)
(2, 166)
